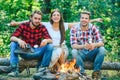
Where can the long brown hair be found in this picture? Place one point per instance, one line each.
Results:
(61, 25)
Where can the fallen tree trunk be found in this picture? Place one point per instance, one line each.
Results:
(4, 62)
(105, 65)
(5, 68)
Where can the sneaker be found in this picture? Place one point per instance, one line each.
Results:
(14, 71)
(96, 74)
(42, 69)
(85, 76)
(13, 74)
(41, 72)
(38, 75)
(49, 76)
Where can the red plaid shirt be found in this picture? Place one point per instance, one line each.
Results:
(77, 36)
(31, 36)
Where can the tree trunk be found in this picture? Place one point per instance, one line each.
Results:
(47, 7)
(4, 62)
(105, 65)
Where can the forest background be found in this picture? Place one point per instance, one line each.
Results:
(108, 10)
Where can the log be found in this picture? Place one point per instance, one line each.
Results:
(4, 65)
(5, 69)
(105, 65)
(4, 61)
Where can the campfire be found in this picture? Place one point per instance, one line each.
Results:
(68, 67)
(67, 71)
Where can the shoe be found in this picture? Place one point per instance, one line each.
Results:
(42, 69)
(45, 76)
(13, 74)
(85, 76)
(49, 76)
(44, 73)
(96, 75)
(5, 69)
(14, 71)
(38, 75)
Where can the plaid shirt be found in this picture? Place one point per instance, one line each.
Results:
(31, 36)
(92, 35)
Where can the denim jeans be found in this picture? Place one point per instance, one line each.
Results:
(43, 54)
(96, 56)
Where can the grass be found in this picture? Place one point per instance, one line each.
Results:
(108, 74)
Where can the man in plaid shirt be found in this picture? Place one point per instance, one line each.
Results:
(34, 34)
(87, 44)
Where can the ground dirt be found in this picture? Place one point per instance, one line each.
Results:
(22, 76)
(108, 74)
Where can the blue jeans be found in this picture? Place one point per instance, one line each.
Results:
(96, 56)
(42, 54)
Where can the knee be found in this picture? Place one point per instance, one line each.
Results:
(13, 44)
(102, 51)
(74, 53)
(57, 52)
(49, 47)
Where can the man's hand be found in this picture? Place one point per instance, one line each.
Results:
(87, 46)
(22, 43)
(92, 46)
(43, 43)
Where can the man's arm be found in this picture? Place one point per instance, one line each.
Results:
(96, 20)
(45, 42)
(21, 43)
(70, 25)
(76, 46)
(73, 39)
(91, 46)
(88, 46)
(15, 39)
(15, 23)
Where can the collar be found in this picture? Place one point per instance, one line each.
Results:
(78, 26)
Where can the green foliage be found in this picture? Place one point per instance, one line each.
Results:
(108, 10)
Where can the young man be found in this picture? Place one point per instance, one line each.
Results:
(87, 44)
(34, 34)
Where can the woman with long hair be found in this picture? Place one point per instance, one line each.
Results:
(56, 28)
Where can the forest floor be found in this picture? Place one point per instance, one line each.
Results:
(106, 74)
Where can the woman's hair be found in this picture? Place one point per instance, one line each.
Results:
(61, 25)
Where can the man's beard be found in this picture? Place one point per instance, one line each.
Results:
(34, 24)
(84, 25)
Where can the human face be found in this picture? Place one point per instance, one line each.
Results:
(36, 19)
(56, 16)
(85, 18)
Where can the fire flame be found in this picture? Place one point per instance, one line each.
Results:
(69, 67)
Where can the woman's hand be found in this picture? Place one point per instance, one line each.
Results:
(13, 23)
(99, 20)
